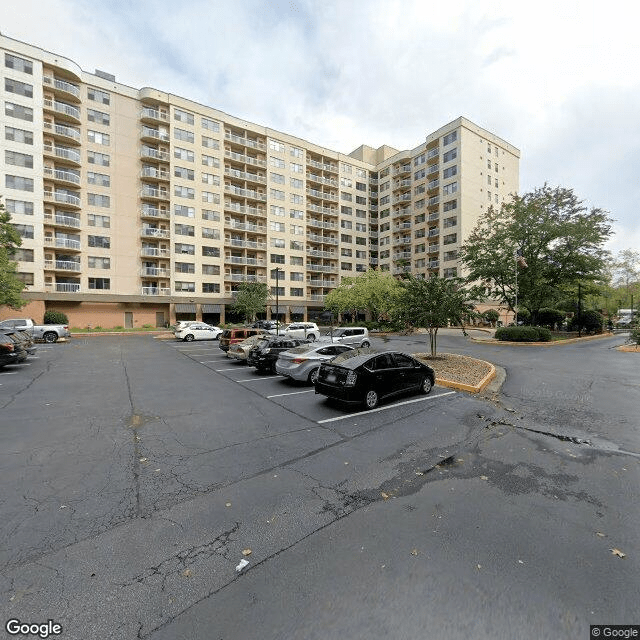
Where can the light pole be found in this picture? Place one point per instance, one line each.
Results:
(277, 302)
(579, 310)
(518, 261)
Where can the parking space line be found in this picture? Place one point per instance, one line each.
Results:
(232, 369)
(8, 373)
(292, 393)
(390, 406)
(255, 379)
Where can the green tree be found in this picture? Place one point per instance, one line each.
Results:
(10, 285)
(432, 303)
(251, 299)
(552, 240)
(626, 272)
(374, 291)
(491, 316)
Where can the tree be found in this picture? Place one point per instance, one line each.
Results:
(251, 299)
(374, 291)
(491, 316)
(626, 271)
(433, 303)
(552, 240)
(10, 285)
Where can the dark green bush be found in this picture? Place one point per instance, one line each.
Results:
(523, 334)
(550, 317)
(55, 317)
(589, 321)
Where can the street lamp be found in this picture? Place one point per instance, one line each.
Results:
(277, 302)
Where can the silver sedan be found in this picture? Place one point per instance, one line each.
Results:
(302, 363)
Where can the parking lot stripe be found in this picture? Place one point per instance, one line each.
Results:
(389, 406)
(256, 379)
(292, 393)
(232, 369)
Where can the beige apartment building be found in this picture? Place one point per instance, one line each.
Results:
(138, 207)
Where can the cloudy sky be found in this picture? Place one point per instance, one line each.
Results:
(559, 80)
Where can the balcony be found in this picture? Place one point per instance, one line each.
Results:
(433, 201)
(432, 153)
(63, 198)
(323, 268)
(62, 265)
(324, 195)
(244, 260)
(155, 252)
(312, 222)
(402, 255)
(433, 217)
(405, 197)
(241, 277)
(245, 244)
(403, 240)
(59, 175)
(61, 220)
(156, 214)
(434, 184)
(152, 232)
(404, 211)
(322, 165)
(400, 185)
(323, 239)
(229, 205)
(149, 133)
(240, 157)
(314, 297)
(155, 154)
(402, 170)
(401, 226)
(62, 243)
(245, 193)
(328, 211)
(400, 270)
(245, 175)
(154, 272)
(245, 226)
(154, 173)
(313, 282)
(63, 153)
(68, 134)
(434, 264)
(322, 254)
(153, 115)
(153, 193)
(433, 248)
(433, 233)
(314, 177)
(63, 109)
(156, 291)
(68, 89)
(67, 287)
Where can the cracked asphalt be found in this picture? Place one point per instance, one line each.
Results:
(137, 473)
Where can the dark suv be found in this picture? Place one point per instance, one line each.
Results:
(265, 354)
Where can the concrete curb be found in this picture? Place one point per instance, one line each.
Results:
(460, 386)
(542, 344)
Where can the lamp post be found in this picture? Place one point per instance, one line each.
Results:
(518, 261)
(277, 302)
(579, 310)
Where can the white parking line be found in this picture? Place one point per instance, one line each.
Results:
(292, 393)
(390, 406)
(8, 373)
(257, 379)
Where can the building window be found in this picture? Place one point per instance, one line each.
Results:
(276, 145)
(98, 96)
(345, 238)
(23, 255)
(296, 292)
(297, 261)
(98, 138)
(277, 258)
(100, 179)
(296, 229)
(24, 230)
(18, 159)
(19, 64)
(450, 155)
(450, 239)
(297, 276)
(184, 173)
(18, 135)
(184, 192)
(449, 138)
(296, 246)
(296, 183)
(450, 172)
(277, 291)
(276, 210)
(296, 198)
(210, 161)
(210, 287)
(210, 143)
(96, 262)
(210, 269)
(98, 117)
(448, 206)
(100, 159)
(99, 283)
(276, 194)
(347, 197)
(210, 234)
(94, 220)
(184, 211)
(361, 200)
(212, 125)
(18, 182)
(19, 88)
(18, 111)
(346, 266)
(296, 152)
(211, 252)
(184, 230)
(184, 286)
(207, 214)
(183, 154)
(278, 243)
(277, 162)
(102, 242)
(183, 116)
(185, 249)
(296, 213)
(277, 226)
(211, 179)
(295, 167)
(278, 178)
(450, 188)
(184, 135)
(98, 200)
(184, 267)
(214, 198)
(19, 206)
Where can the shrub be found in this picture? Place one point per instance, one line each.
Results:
(523, 334)
(491, 316)
(147, 326)
(590, 321)
(55, 317)
(634, 336)
(550, 317)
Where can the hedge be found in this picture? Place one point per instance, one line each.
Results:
(523, 334)
(55, 317)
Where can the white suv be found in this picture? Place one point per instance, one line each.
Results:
(308, 330)
(353, 336)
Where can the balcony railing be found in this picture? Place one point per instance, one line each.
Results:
(244, 260)
(67, 287)
(63, 152)
(150, 152)
(245, 193)
(66, 221)
(316, 298)
(154, 252)
(322, 254)
(239, 208)
(156, 291)
(432, 153)
(62, 108)
(62, 130)
(245, 226)
(150, 192)
(150, 232)
(241, 277)
(323, 166)
(62, 265)
(325, 210)
(61, 85)
(153, 172)
(324, 268)
(147, 112)
(249, 244)
(59, 174)
(63, 198)
(312, 222)
(156, 134)
(313, 282)
(151, 272)
(244, 175)
(324, 239)
(62, 243)
(240, 157)
(152, 212)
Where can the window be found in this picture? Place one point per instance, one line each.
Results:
(296, 260)
(19, 88)
(98, 138)
(18, 159)
(450, 188)
(345, 210)
(184, 211)
(184, 173)
(361, 213)
(184, 286)
(210, 178)
(489, 179)
(98, 200)
(276, 194)
(18, 182)
(361, 241)
(276, 145)
(100, 179)
(496, 183)
(361, 255)
(276, 210)
(448, 206)
(361, 200)
(98, 96)
(277, 226)
(185, 267)
(211, 269)
(418, 175)
(100, 159)
(347, 197)
(98, 116)
(296, 183)
(96, 262)
(212, 125)
(277, 178)
(346, 182)
(187, 249)
(489, 196)
(297, 276)
(420, 160)
(450, 171)
(210, 161)
(99, 283)
(450, 155)
(345, 238)
(210, 234)
(19, 64)
(295, 291)
(295, 167)
(277, 258)
(296, 152)
(360, 186)
(18, 135)
(94, 220)
(184, 192)
(278, 243)
(346, 224)
(489, 164)
(277, 291)
(296, 213)
(210, 143)
(449, 222)
(185, 230)
(347, 168)
(361, 227)
(449, 138)
(207, 214)
(19, 206)
(183, 154)
(102, 242)
(207, 196)
(18, 111)
(184, 135)
(210, 287)
(296, 198)
(211, 252)
(450, 239)
(23, 255)
(24, 230)
(347, 253)
(346, 266)
(276, 162)
(450, 255)
(296, 230)
(183, 116)
(495, 167)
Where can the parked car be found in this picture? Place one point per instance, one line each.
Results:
(354, 336)
(369, 377)
(198, 331)
(303, 362)
(304, 330)
(12, 349)
(265, 354)
(240, 350)
(182, 324)
(46, 332)
(233, 336)
(23, 337)
(264, 324)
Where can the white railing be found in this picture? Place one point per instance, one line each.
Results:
(150, 232)
(155, 252)
(153, 113)
(150, 152)
(59, 174)
(156, 291)
(65, 198)
(63, 152)
(62, 107)
(67, 287)
(62, 85)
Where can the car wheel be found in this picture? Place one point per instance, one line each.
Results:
(366, 344)
(272, 368)
(311, 337)
(188, 337)
(426, 385)
(313, 375)
(50, 336)
(371, 399)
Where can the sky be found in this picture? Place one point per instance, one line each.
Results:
(558, 80)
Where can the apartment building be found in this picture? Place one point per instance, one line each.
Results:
(139, 207)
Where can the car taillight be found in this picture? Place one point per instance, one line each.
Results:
(351, 379)
(299, 360)
(7, 347)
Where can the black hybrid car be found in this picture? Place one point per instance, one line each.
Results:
(265, 354)
(368, 377)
